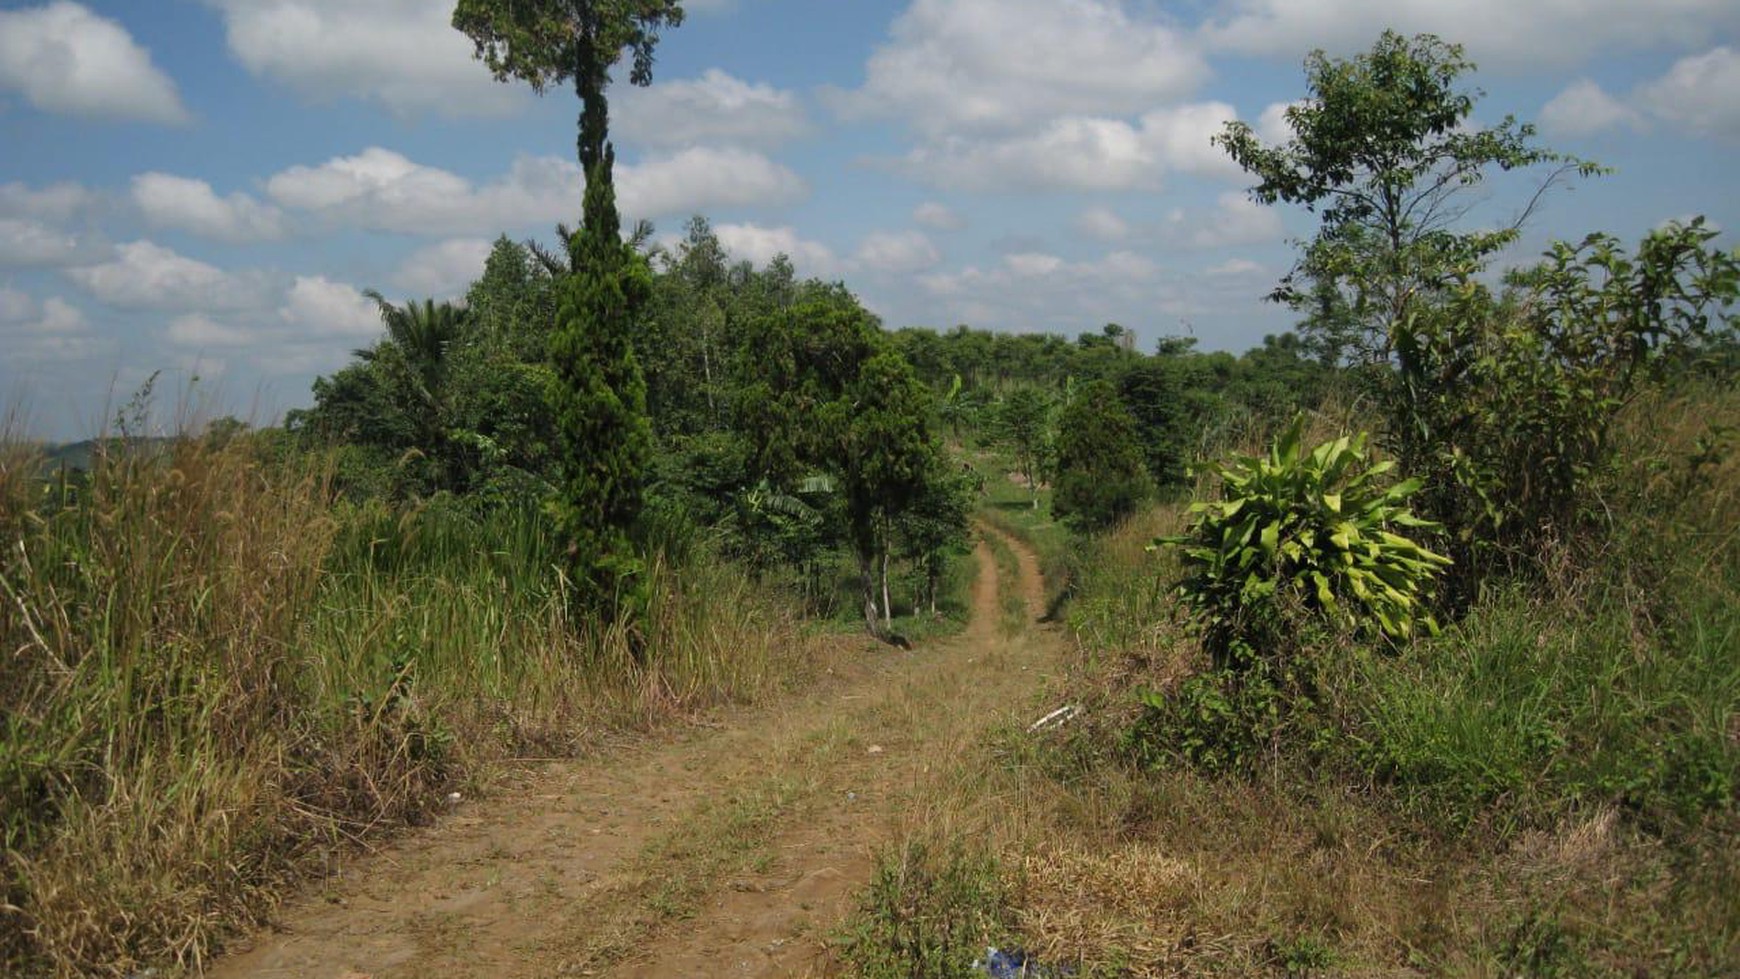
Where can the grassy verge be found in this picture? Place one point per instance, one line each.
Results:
(1551, 787)
(1547, 788)
(214, 679)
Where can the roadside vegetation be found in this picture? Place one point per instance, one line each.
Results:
(1445, 683)
(1407, 641)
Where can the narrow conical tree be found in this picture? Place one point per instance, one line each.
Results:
(599, 395)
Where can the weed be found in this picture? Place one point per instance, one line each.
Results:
(930, 910)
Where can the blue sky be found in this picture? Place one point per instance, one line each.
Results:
(205, 186)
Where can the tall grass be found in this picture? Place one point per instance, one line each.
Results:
(213, 678)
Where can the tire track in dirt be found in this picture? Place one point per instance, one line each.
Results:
(732, 850)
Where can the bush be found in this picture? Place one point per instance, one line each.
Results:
(1308, 531)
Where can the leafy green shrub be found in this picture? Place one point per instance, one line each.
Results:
(1305, 530)
(1100, 475)
(1507, 406)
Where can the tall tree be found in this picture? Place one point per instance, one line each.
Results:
(1101, 478)
(599, 395)
(1384, 148)
(1025, 421)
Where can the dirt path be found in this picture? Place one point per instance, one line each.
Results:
(730, 850)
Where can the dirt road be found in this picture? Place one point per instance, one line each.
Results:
(728, 850)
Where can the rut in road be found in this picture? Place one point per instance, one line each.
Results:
(730, 850)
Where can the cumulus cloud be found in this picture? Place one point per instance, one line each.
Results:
(381, 190)
(1583, 109)
(185, 204)
(403, 54)
(443, 270)
(999, 65)
(1700, 94)
(1081, 153)
(24, 242)
(702, 178)
(758, 245)
(1498, 33)
(55, 203)
(54, 330)
(1042, 291)
(1694, 96)
(63, 58)
(145, 275)
(938, 217)
(897, 252)
(1235, 220)
(318, 306)
(1103, 224)
(199, 330)
(715, 109)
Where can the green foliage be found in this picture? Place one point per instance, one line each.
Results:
(929, 913)
(599, 394)
(1508, 407)
(1383, 151)
(1100, 477)
(1524, 712)
(545, 42)
(1024, 426)
(1313, 530)
(605, 441)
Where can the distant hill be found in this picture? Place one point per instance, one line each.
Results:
(78, 456)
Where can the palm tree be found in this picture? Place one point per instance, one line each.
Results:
(419, 339)
(414, 361)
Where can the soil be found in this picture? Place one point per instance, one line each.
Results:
(734, 847)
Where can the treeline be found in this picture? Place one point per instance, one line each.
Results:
(787, 426)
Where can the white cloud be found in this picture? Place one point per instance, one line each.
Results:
(1040, 291)
(65, 59)
(1103, 224)
(1499, 34)
(1272, 126)
(1241, 267)
(938, 217)
(184, 204)
(699, 179)
(403, 54)
(1182, 137)
(57, 203)
(443, 270)
(144, 275)
(1584, 109)
(897, 252)
(1032, 264)
(24, 243)
(318, 306)
(56, 330)
(15, 305)
(716, 108)
(1699, 94)
(199, 330)
(758, 245)
(1235, 220)
(954, 66)
(1081, 153)
(381, 190)
(1075, 153)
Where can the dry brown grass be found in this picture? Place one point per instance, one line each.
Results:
(203, 696)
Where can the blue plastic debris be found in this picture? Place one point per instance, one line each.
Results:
(1014, 964)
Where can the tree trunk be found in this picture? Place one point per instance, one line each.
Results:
(867, 579)
(887, 606)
